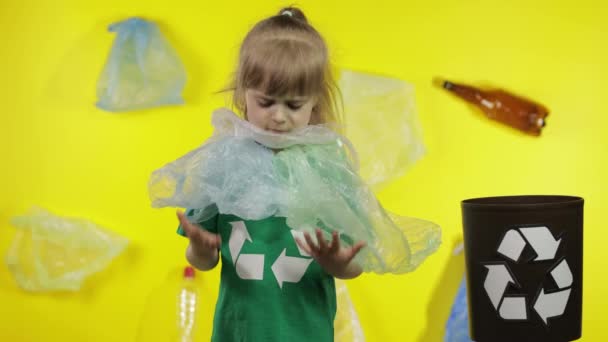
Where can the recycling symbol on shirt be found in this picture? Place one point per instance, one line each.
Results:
(251, 266)
(546, 304)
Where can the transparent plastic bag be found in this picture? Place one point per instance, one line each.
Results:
(142, 70)
(457, 327)
(312, 181)
(51, 253)
(382, 124)
(230, 171)
(347, 327)
(325, 191)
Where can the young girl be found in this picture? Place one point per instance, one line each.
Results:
(277, 198)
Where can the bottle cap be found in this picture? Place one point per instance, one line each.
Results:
(189, 272)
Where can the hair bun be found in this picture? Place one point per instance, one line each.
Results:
(293, 12)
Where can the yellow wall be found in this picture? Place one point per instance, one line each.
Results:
(60, 152)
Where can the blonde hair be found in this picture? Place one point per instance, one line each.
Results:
(284, 55)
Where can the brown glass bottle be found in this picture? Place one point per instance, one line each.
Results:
(504, 107)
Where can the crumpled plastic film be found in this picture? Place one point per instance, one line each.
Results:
(311, 182)
(382, 123)
(142, 70)
(347, 327)
(457, 327)
(52, 253)
(325, 191)
(232, 171)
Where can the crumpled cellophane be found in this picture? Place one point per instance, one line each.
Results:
(382, 123)
(347, 327)
(457, 326)
(308, 176)
(52, 253)
(142, 70)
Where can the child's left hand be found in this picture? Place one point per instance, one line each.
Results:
(335, 259)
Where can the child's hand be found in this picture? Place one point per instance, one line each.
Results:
(334, 259)
(203, 249)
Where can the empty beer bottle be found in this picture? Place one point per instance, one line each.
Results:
(503, 106)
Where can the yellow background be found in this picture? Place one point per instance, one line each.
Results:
(59, 152)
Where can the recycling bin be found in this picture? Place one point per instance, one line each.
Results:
(524, 265)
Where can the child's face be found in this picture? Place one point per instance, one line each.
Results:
(278, 114)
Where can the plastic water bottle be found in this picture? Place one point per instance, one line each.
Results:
(187, 299)
(171, 309)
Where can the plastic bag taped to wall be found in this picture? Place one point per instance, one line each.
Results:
(142, 69)
(381, 121)
(52, 253)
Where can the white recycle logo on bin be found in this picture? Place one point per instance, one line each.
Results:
(546, 304)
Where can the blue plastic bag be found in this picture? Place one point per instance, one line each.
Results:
(142, 70)
(457, 327)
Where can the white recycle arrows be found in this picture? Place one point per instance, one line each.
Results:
(497, 280)
(513, 308)
(562, 274)
(551, 304)
(237, 239)
(512, 245)
(545, 246)
(289, 269)
(251, 266)
(541, 239)
(248, 266)
(297, 234)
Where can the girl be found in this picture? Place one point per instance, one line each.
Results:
(277, 197)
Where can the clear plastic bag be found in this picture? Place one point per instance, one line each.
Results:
(51, 253)
(347, 327)
(325, 191)
(311, 182)
(457, 327)
(382, 123)
(142, 70)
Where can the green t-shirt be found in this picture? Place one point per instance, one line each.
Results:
(270, 290)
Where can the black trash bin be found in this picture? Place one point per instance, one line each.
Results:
(524, 263)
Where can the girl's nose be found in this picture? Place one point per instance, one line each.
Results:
(279, 115)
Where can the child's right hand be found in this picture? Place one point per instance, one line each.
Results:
(203, 249)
